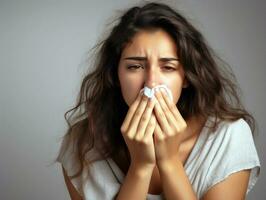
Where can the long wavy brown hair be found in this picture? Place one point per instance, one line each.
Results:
(95, 121)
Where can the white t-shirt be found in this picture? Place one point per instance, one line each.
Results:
(214, 157)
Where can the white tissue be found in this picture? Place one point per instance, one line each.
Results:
(151, 92)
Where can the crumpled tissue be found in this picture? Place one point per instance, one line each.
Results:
(150, 92)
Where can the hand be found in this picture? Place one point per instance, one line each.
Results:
(137, 130)
(170, 126)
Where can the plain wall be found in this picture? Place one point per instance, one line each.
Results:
(43, 46)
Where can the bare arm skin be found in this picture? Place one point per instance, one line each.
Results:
(137, 130)
(233, 187)
(176, 185)
(74, 195)
(136, 183)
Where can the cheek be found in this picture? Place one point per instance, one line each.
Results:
(176, 95)
(130, 87)
(129, 93)
(176, 89)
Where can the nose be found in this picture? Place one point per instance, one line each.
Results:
(152, 77)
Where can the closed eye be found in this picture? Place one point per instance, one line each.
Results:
(169, 68)
(134, 66)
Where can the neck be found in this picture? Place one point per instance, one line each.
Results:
(194, 126)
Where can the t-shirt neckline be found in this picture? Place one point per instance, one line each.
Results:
(200, 140)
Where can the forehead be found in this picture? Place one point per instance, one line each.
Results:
(151, 42)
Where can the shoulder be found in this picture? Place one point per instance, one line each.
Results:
(232, 149)
(232, 142)
(95, 181)
(232, 130)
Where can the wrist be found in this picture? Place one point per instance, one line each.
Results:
(141, 169)
(169, 165)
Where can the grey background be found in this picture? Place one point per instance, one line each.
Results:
(43, 48)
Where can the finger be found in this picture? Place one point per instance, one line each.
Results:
(163, 104)
(137, 116)
(150, 128)
(172, 121)
(164, 118)
(172, 107)
(145, 118)
(130, 113)
(158, 133)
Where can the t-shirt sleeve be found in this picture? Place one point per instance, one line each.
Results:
(236, 151)
(67, 157)
(96, 181)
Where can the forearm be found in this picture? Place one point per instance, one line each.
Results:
(136, 183)
(175, 183)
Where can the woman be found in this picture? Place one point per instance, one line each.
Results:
(158, 118)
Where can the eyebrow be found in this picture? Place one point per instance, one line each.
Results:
(145, 59)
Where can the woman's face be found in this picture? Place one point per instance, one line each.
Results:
(150, 60)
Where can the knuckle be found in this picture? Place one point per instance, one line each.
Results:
(163, 107)
(161, 115)
(168, 133)
(146, 140)
(151, 124)
(122, 129)
(172, 107)
(182, 129)
(130, 135)
(140, 127)
(137, 138)
(144, 118)
(142, 142)
(138, 113)
(172, 133)
(161, 138)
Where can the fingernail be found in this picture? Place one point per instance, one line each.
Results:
(156, 89)
(152, 99)
(162, 89)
